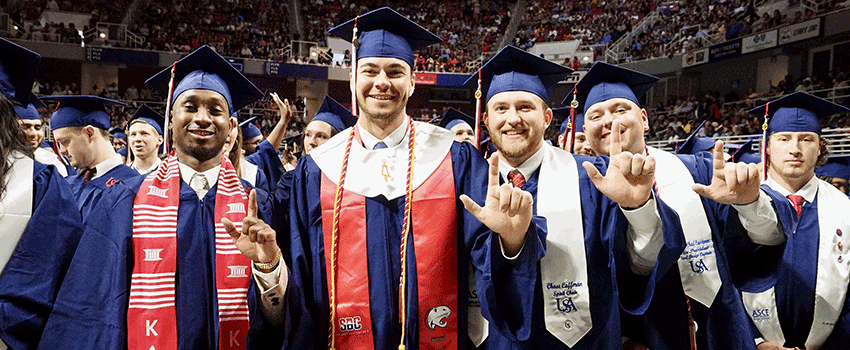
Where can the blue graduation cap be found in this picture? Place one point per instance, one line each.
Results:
(118, 133)
(606, 81)
(694, 143)
(563, 115)
(31, 109)
(205, 69)
(335, 114)
(148, 115)
(746, 154)
(513, 69)
(798, 111)
(249, 130)
(80, 111)
(291, 140)
(454, 117)
(836, 166)
(18, 67)
(122, 151)
(385, 33)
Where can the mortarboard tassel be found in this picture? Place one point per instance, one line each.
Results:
(166, 145)
(573, 106)
(355, 43)
(763, 150)
(478, 113)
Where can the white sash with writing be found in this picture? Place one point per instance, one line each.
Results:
(563, 270)
(16, 205)
(833, 275)
(698, 262)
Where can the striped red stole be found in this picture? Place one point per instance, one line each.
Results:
(152, 316)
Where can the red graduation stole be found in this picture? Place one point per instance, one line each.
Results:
(434, 232)
(152, 316)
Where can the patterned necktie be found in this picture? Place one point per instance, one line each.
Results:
(380, 145)
(797, 200)
(199, 184)
(88, 174)
(516, 178)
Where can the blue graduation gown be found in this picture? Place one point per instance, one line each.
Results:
(792, 268)
(91, 310)
(723, 326)
(268, 163)
(604, 224)
(477, 245)
(32, 276)
(89, 193)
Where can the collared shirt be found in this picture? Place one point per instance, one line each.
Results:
(106, 165)
(808, 191)
(153, 167)
(186, 173)
(394, 138)
(527, 168)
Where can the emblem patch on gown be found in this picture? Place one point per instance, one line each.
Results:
(761, 315)
(437, 317)
(838, 232)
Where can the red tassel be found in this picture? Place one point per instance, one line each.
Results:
(571, 125)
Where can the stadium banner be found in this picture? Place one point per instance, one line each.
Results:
(575, 76)
(698, 57)
(297, 70)
(729, 49)
(759, 42)
(122, 56)
(426, 78)
(237, 63)
(800, 31)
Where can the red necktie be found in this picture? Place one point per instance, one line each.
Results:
(797, 200)
(88, 174)
(516, 178)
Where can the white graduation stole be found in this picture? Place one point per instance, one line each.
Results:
(698, 262)
(833, 275)
(477, 327)
(16, 205)
(249, 172)
(563, 270)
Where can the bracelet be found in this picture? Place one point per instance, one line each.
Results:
(269, 265)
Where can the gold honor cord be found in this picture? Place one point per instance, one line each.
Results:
(408, 198)
(478, 113)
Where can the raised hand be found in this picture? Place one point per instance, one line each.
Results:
(731, 183)
(629, 179)
(507, 210)
(257, 240)
(284, 107)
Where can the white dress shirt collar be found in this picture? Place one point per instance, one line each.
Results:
(153, 167)
(187, 172)
(527, 168)
(393, 139)
(106, 165)
(808, 191)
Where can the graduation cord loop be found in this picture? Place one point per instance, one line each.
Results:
(478, 113)
(411, 130)
(167, 145)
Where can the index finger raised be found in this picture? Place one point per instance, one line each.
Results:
(719, 161)
(493, 176)
(252, 204)
(616, 146)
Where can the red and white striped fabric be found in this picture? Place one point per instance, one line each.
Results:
(151, 316)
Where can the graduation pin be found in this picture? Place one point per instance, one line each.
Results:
(838, 232)
(568, 324)
(839, 245)
(839, 258)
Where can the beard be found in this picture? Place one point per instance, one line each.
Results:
(516, 150)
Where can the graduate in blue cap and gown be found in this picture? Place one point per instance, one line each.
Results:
(746, 153)
(246, 170)
(567, 298)
(567, 139)
(79, 125)
(391, 272)
(460, 124)
(31, 124)
(37, 212)
(264, 152)
(696, 302)
(181, 258)
(119, 138)
(836, 171)
(696, 144)
(145, 139)
(801, 301)
(330, 119)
